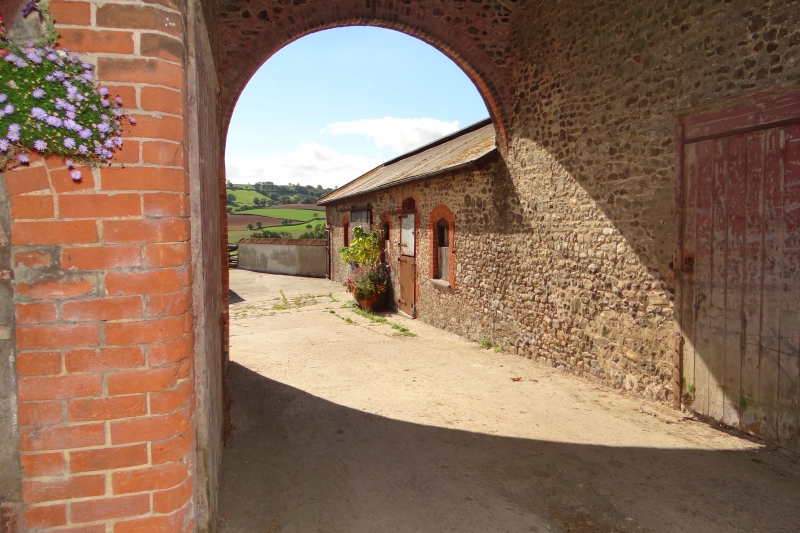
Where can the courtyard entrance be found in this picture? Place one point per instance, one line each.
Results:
(345, 424)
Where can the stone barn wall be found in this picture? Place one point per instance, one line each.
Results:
(574, 264)
(516, 287)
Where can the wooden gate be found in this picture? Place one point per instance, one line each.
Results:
(408, 264)
(738, 304)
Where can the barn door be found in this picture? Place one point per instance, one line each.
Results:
(739, 293)
(407, 264)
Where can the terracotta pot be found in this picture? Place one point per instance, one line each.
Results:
(368, 304)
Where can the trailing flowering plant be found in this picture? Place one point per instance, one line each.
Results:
(368, 282)
(50, 103)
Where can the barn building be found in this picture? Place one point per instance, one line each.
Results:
(634, 216)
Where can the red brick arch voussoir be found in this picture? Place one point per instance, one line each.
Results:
(475, 35)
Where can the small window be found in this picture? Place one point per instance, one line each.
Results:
(442, 250)
(361, 218)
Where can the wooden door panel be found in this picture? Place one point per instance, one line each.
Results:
(740, 281)
(407, 284)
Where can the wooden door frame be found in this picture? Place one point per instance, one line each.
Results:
(752, 111)
(415, 289)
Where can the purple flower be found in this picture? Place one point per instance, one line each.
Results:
(70, 114)
(94, 107)
(8, 109)
(14, 127)
(69, 107)
(75, 174)
(59, 75)
(71, 125)
(61, 103)
(38, 93)
(88, 76)
(4, 145)
(104, 118)
(108, 154)
(49, 77)
(20, 63)
(3, 98)
(98, 149)
(118, 112)
(103, 91)
(86, 66)
(132, 120)
(69, 162)
(54, 121)
(102, 127)
(85, 133)
(22, 158)
(52, 57)
(40, 145)
(33, 56)
(12, 136)
(118, 142)
(83, 150)
(118, 100)
(69, 143)
(105, 103)
(11, 58)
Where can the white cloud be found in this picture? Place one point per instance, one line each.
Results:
(402, 134)
(310, 164)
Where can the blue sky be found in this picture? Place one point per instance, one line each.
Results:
(334, 104)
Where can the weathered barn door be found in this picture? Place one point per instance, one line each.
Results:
(407, 263)
(739, 296)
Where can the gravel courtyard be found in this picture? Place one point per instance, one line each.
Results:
(342, 424)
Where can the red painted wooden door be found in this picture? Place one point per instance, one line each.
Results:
(739, 295)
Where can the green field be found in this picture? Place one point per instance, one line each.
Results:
(291, 214)
(245, 197)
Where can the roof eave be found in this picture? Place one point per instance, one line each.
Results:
(434, 173)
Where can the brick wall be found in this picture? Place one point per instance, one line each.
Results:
(102, 295)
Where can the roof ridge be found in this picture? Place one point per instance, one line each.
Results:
(441, 140)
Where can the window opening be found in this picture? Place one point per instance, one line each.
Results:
(443, 250)
(386, 242)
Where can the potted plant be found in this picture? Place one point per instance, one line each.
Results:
(368, 285)
(369, 281)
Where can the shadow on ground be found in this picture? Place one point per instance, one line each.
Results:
(234, 298)
(301, 464)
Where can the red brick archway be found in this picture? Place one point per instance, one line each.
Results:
(476, 35)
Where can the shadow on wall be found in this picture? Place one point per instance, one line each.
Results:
(301, 463)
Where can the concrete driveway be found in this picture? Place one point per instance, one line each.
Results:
(347, 425)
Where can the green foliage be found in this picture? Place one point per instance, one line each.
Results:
(368, 282)
(486, 343)
(317, 233)
(498, 349)
(269, 234)
(364, 248)
(50, 103)
(380, 320)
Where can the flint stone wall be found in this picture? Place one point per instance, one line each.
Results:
(547, 285)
